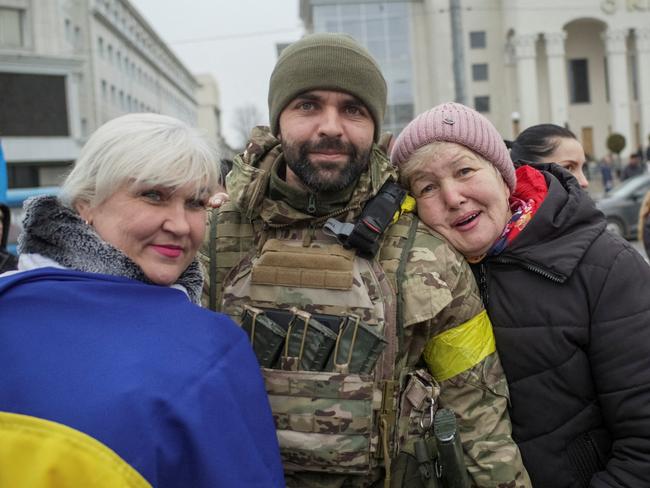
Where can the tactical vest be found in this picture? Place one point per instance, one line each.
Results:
(330, 420)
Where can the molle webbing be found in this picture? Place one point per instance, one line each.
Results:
(233, 239)
(393, 256)
(328, 267)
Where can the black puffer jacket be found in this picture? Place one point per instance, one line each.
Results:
(570, 306)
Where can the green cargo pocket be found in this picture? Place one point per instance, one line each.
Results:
(325, 421)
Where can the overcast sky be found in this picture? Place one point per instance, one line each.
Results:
(234, 40)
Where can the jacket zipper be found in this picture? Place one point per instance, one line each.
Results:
(483, 284)
(311, 206)
(482, 279)
(531, 267)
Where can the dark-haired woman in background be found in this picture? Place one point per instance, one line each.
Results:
(550, 143)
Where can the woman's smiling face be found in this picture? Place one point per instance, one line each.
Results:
(463, 197)
(160, 229)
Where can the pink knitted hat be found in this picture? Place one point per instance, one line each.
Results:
(453, 122)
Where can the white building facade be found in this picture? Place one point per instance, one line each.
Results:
(68, 66)
(584, 64)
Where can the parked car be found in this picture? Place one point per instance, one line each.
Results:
(621, 206)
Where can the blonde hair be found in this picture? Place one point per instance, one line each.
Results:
(141, 148)
(643, 214)
(423, 155)
(418, 160)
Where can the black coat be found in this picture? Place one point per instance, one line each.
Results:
(570, 306)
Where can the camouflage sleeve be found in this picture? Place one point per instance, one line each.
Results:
(227, 239)
(204, 259)
(445, 322)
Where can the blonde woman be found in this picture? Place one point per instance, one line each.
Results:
(111, 373)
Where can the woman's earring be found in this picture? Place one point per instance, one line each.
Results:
(87, 223)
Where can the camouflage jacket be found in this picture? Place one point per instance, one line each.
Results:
(418, 288)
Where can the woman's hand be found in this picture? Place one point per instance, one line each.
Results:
(218, 199)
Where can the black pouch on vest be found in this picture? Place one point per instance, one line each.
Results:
(308, 344)
(357, 348)
(284, 317)
(266, 336)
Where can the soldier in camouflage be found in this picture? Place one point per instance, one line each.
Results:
(268, 250)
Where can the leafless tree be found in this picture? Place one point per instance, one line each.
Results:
(246, 117)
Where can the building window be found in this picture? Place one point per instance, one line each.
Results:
(11, 27)
(482, 104)
(68, 30)
(100, 46)
(477, 40)
(104, 89)
(22, 175)
(579, 80)
(480, 72)
(33, 105)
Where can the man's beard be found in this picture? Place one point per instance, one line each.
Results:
(297, 158)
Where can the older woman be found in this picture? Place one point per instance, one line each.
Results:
(111, 375)
(569, 302)
(550, 143)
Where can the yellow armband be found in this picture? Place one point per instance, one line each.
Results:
(458, 349)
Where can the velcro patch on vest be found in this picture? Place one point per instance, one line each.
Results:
(327, 267)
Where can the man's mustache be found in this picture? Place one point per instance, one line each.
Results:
(330, 144)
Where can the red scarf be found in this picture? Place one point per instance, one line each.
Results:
(530, 192)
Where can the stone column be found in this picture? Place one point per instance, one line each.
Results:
(73, 82)
(557, 77)
(525, 56)
(643, 82)
(619, 93)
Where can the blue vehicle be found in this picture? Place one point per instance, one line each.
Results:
(14, 198)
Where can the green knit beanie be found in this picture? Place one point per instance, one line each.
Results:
(327, 62)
